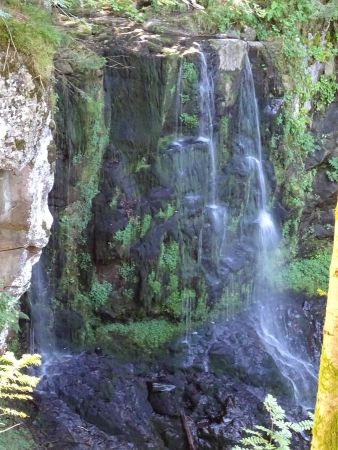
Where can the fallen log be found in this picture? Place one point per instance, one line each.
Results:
(187, 431)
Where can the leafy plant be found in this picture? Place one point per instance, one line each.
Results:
(84, 260)
(127, 272)
(9, 312)
(325, 89)
(332, 174)
(154, 284)
(99, 293)
(129, 234)
(120, 7)
(307, 275)
(167, 5)
(169, 257)
(146, 224)
(279, 436)
(189, 120)
(15, 384)
(189, 72)
(125, 8)
(167, 213)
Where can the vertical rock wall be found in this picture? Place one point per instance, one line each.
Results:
(26, 175)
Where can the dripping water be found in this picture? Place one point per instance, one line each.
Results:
(42, 337)
(206, 122)
(213, 234)
(178, 100)
(294, 364)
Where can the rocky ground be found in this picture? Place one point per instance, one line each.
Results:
(215, 386)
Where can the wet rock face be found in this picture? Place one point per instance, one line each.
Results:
(318, 217)
(218, 383)
(25, 175)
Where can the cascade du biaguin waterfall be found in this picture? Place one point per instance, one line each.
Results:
(177, 299)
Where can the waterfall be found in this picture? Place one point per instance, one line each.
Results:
(213, 233)
(42, 339)
(293, 363)
(206, 122)
(190, 165)
(178, 100)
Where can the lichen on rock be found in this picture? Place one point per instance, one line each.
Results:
(26, 175)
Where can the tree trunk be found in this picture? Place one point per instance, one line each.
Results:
(325, 430)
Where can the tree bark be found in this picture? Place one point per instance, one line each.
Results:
(325, 430)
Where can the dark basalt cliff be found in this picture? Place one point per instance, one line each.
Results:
(129, 200)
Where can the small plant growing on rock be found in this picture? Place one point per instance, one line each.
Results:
(189, 120)
(99, 293)
(332, 174)
(167, 213)
(280, 434)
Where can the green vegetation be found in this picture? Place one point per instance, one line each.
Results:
(127, 272)
(28, 30)
(9, 313)
(136, 229)
(325, 90)
(129, 234)
(82, 103)
(298, 37)
(332, 173)
(189, 74)
(169, 257)
(189, 120)
(308, 275)
(15, 384)
(148, 334)
(120, 7)
(279, 436)
(16, 388)
(154, 285)
(167, 213)
(99, 293)
(17, 438)
(145, 225)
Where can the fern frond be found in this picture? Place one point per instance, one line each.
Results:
(13, 412)
(301, 426)
(15, 396)
(276, 412)
(256, 442)
(253, 432)
(279, 436)
(7, 359)
(15, 385)
(29, 360)
(264, 429)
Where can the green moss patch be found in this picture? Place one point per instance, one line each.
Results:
(28, 30)
(147, 335)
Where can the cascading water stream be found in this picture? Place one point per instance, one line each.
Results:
(215, 213)
(42, 338)
(178, 100)
(195, 162)
(207, 112)
(295, 366)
